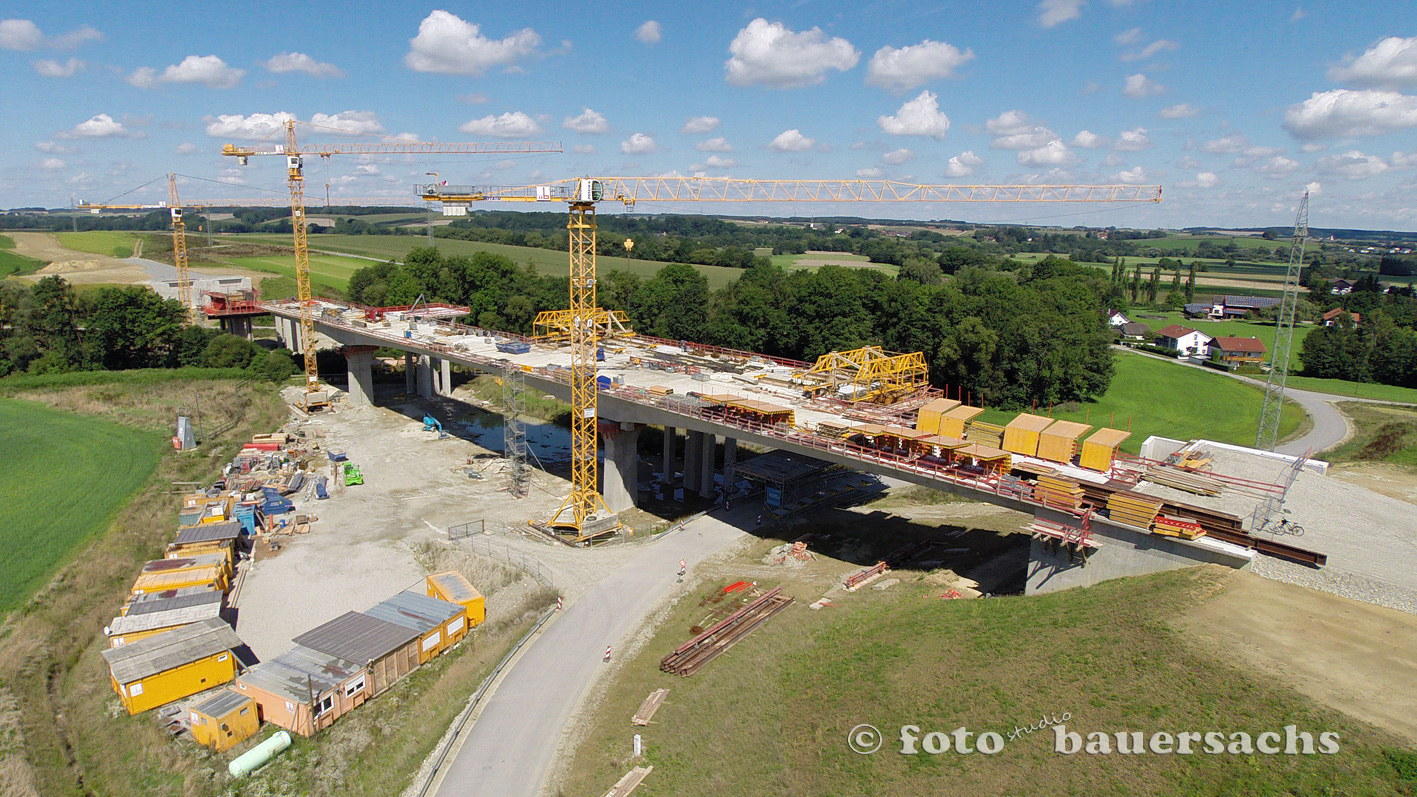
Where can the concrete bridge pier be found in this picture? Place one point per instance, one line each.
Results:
(707, 451)
(238, 325)
(620, 475)
(666, 475)
(445, 379)
(424, 371)
(360, 362)
(410, 370)
(693, 445)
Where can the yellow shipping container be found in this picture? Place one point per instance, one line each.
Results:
(170, 666)
(452, 586)
(224, 720)
(211, 577)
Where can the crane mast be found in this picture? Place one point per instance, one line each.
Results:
(585, 507)
(179, 235)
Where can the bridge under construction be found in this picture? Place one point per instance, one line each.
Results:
(1098, 513)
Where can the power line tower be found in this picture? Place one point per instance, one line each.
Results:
(1268, 433)
(514, 430)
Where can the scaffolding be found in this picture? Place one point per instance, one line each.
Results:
(868, 374)
(514, 431)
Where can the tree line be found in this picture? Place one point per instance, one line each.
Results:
(1008, 338)
(48, 328)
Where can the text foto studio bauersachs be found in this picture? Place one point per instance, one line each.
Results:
(1289, 740)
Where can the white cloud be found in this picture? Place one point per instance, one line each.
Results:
(1015, 130)
(1158, 46)
(100, 126)
(1389, 64)
(1086, 139)
(915, 65)
(513, 124)
(1203, 180)
(448, 45)
(1133, 176)
(367, 168)
(963, 164)
(719, 144)
(638, 144)
(871, 173)
(792, 141)
(300, 62)
(1113, 159)
(209, 70)
(1056, 12)
(54, 148)
(350, 123)
(231, 176)
(51, 68)
(1299, 13)
(1133, 140)
(588, 122)
(1277, 166)
(714, 162)
(1313, 146)
(475, 98)
(186, 148)
(1403, 160)
(648, 33)
(255, 127)
(1131, 36)
(768, 54)
(1182, 111)
(918, 117)
(1054, 153)
(1230, 142)
(898, 156)
(699, 124)
(1343, 112)
(1352, 164)
(22, 34)
(1139, 85)
(583, 149)
(52, 164)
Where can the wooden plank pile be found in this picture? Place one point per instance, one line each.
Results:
(1133, 508)
(988, 434)
(647, 708)
(1057, 491)
(690, 656)
(1186, 481)
(631, 781)
(1174, 527)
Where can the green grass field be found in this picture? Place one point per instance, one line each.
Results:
(62, 479)
(1172, 242)
(11, 263)
(100, 242)
(330, 271)
(1380, 434)
(1156, 397)
(1339, 387)
(774, 714)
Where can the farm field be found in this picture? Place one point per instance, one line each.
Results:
(1172, 242)
(1155, 397)
(12, 263)
(330, 271)
(112, 243)
(774, 715)
(61, 481)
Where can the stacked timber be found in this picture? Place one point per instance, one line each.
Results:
(1133, 508)
(1056, 491)
(1175, 527)
(985, 434)
(1059, 442)
(836, 431)
(1186, 481)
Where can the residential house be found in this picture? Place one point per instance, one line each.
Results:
(1116, 319)
(1185, 340)
(1239, 306)
(1341, 287)
(155, 671)
(1238, 351)
(1334, 317)
(1196, 309)
(1135, 331)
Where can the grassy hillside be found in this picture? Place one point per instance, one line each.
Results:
(100, 242)
(61, 480)
(330, 271)
(774, 714)
(11, 263)
(1163, 398)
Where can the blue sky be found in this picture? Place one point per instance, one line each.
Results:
(1234, 108)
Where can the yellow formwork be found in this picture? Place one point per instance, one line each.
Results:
(1021, 434)
(551, 325)
(952, 423)
(929, 418)
(1058, 443)
(1099, 449)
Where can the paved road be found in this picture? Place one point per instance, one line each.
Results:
(511, 747)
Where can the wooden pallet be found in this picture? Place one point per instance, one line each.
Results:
(1133, 508)
(649, 707)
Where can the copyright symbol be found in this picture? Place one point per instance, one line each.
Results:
(864, 739)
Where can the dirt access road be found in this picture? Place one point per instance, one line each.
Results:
(86, 268)
(1351, 656)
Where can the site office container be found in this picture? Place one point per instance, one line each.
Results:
(454, 587)
(193, 561)
(175, 613)
(439, 623)
(170, 666)
(387, 650)
(141, 603)
(225, 547)
(224, 720)
(305, 691)
(207, 577)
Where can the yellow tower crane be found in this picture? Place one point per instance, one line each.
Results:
(179, 234)
(584, 505)
(294, 162)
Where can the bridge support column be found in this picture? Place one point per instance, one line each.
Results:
(693, 444)
(445, 381)
(360, 361)
(282, 337)
(424, 371)
(666, 475)
(620, 477)
(710, 446)
(730, 458)
(410, 369)
(237, 325)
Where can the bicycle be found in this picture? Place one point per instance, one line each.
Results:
(1283, 527)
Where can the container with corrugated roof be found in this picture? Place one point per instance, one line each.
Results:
(160, 616)
(388, 650)
(170, 666)
(453, 587)
(440, 624)
(209, 578)
(206, 538)
(304, 690)
(194, 561)
(224, 720)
